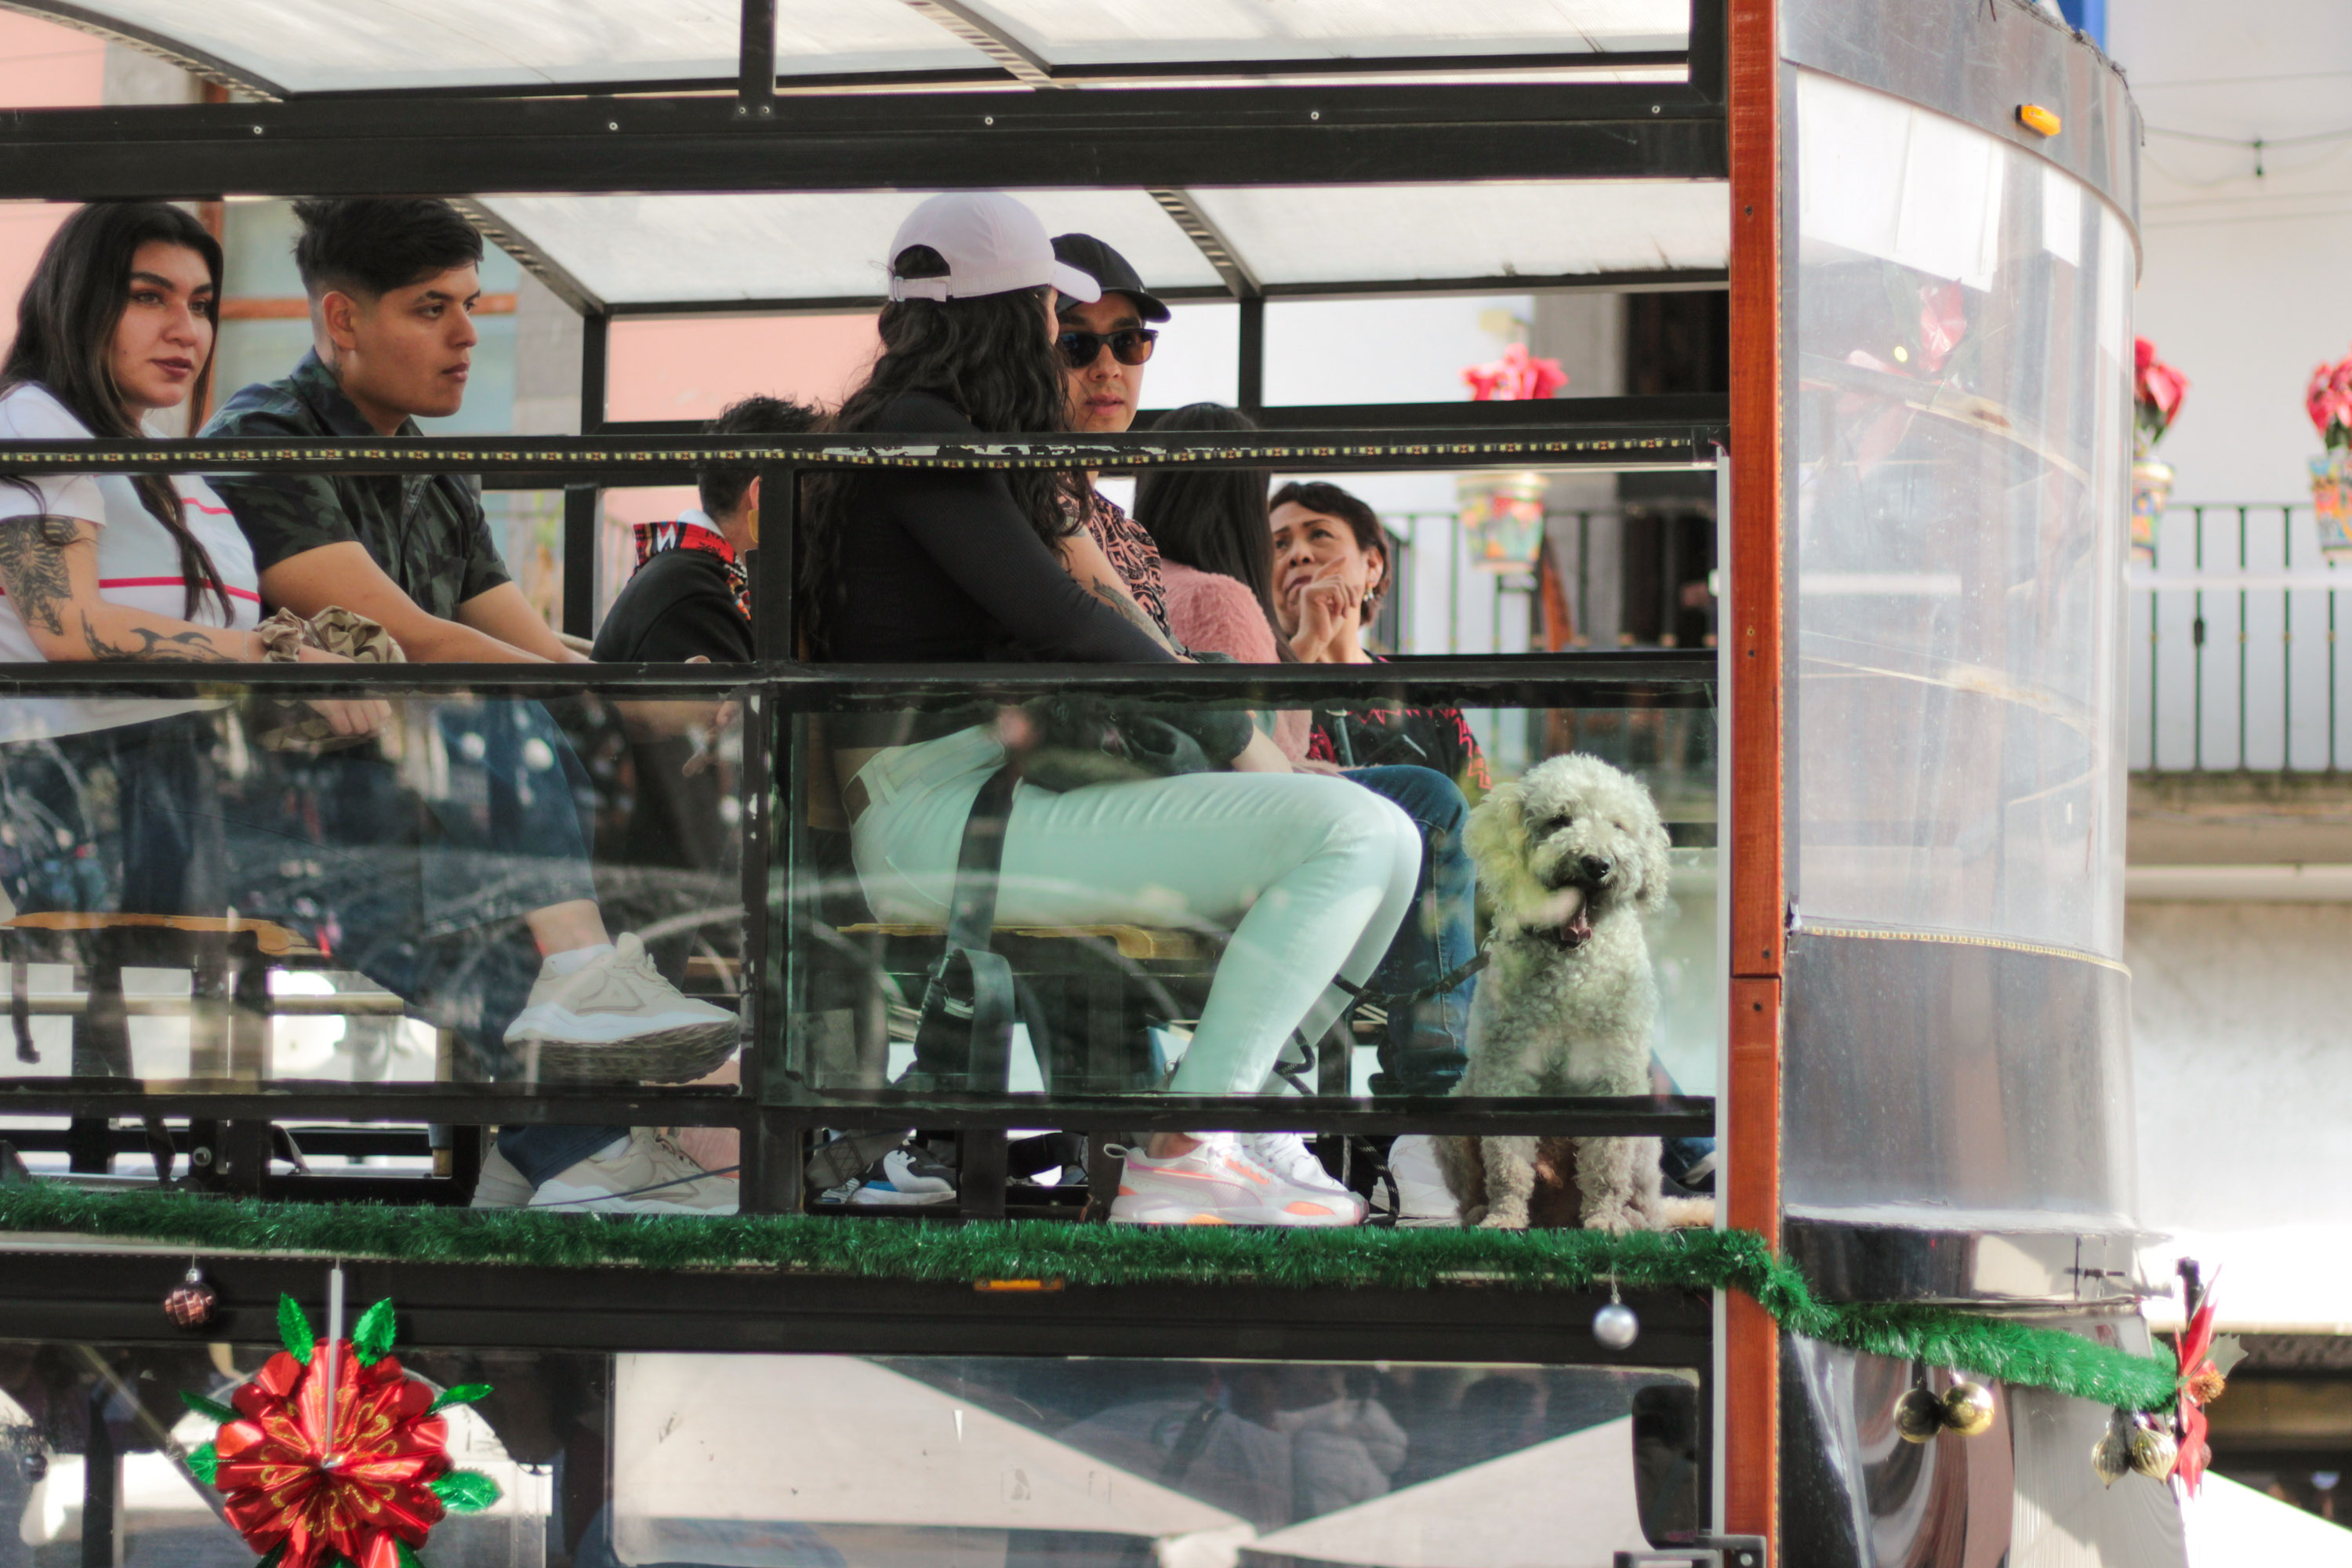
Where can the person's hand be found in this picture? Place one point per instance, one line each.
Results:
(1323, 616)
(350, 716)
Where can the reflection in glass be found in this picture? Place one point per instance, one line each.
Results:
(1963, 367)
(217, 894)
(1112, 1463)
(1169, 932)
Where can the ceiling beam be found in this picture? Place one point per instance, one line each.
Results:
(534, 260)
(1219, 251)
(1023, 64)
(1170, 138)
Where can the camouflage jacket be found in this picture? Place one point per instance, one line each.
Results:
(426, 531)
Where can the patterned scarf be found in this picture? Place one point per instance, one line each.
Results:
(654, 538)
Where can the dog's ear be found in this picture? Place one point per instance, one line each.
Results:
(1497, 839)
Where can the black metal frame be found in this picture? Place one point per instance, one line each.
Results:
(1353, 122)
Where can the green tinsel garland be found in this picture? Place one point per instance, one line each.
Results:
(1113, 1254)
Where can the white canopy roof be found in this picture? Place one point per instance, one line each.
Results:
(830, 245)
(313, 46)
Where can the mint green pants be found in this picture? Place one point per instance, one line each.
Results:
(1310, 876)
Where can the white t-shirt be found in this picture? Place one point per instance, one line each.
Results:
(138, 566)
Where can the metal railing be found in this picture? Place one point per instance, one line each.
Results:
(2235, 659)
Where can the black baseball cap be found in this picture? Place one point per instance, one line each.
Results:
(1108, 267)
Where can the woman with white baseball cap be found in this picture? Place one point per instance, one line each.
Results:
(1311, 875)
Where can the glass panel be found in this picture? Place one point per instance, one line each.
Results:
(214, 889)
(309, 46)
(941, 1461)
(759, 1462)
(806, 247)
(1526, 228)
(1963, 362)
(1088, 32)
(1181, 933)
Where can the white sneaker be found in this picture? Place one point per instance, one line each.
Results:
(1287, 1156)
(642, 1173)
(1216, 1183)
(903, 1178)
(500, 1185)
(1423, 1199)
(615, 1019)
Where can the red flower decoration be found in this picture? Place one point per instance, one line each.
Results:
(2328, 401)
(356, 1493)
(2195, 1345)
(2157, 393)
(1517, 375)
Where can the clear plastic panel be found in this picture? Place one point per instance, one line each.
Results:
(1089, 32)
(770, 1461)
(314, 46)
(804, 247)
(1962, 359)
(1183, 933)
(218, 891)
(1522, 229)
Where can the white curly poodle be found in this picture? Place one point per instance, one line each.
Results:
(1573, 858)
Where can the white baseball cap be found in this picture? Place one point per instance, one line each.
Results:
(992, 244)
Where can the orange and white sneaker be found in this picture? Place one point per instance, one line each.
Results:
(1218, 1183)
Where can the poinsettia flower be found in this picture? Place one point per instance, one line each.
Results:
(2157, 393)
(1943, 322)
(2143, 355)
(356, 1492)
(2195, 1350)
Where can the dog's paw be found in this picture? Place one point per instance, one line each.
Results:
(1616, 1219)
(1676, 1214)
(1496, 1221)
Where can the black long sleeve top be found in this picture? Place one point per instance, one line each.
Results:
(938, 566)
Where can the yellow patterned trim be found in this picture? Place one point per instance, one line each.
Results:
(1958, 938)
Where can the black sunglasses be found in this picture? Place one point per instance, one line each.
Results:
(1128, 345)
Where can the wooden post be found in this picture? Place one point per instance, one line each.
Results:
(1751, 1096)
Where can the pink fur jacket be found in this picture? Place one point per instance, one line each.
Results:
(1207, 610)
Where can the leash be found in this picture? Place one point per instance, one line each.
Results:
(1392, 999)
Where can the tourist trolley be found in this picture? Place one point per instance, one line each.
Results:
(1894, 778)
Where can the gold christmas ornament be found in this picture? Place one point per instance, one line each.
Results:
(1968, 1410)
(2153, 1451)
(1918, 1416)
(2111, 1454)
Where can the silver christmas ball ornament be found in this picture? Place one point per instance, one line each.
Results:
(1615, 1328)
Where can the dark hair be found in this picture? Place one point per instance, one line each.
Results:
(1214, 519)
(990, 358)
(65, 342)
(722, 484)
(370, 245)
(1320, 496)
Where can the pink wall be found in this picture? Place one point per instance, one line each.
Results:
(692, 369)
(41, 67)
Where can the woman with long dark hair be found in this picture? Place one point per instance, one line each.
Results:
(1309, 875)
(117, 324)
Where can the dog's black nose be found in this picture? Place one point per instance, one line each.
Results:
(1596, 869)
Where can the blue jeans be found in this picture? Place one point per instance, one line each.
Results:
(1425, 1045)
(421, 892)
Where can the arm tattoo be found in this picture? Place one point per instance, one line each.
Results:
(191, 647)
(33, 570)
(1118, 599)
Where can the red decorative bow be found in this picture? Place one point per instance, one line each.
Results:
(356, 1493)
